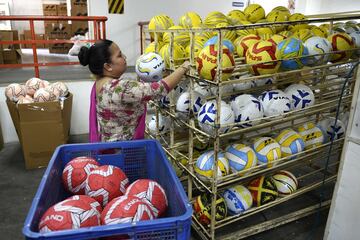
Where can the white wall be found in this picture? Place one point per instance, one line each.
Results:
(123, 28)
(327, 6)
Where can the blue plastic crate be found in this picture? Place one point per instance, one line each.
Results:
(138, 159)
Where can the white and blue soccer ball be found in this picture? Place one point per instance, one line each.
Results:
(301, 96)
(203, 89)
(183, 102)
(205, 163)
(318, 45)
(238, 199)
(244, 85)
(207, 114)
(225, 89)
(150, 67)
(332, 130)
(177, 91)
(164, 124)
(246, 108)
(241, 157)
(275, 102)
(265, 81)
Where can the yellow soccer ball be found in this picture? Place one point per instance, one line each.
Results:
(247, 31)
(236, 16)
(227, 34)
(182, 38)
(214, 18)
(160, 22)
(276, 38)
(264, 30)
(199, 42)
(190, 20)
(206, 63)
(286, 34)
(340, 42)
(277, 16)
(291, 142)
(178, 54)
(267, 151)
(245, 43)
(325, 27)
(282, 9)
(297, 17)
(303, 34)
(205, 34)
(254, 12)
(311, 134)
(260, 52)
(154, 47)
(320, 32)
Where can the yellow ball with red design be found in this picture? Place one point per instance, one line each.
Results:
(206, 63)
(260, 55)
(341, 42)
(245, 43)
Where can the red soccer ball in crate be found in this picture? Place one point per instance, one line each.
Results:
(76, 172)
(105, 183)
(73, 213)
(126, 209)
(151, 192)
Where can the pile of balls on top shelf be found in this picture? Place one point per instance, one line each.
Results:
(36, 90)
(102, 195)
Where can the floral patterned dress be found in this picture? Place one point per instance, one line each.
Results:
(121, 104)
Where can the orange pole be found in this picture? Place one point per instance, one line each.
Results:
(103, 29)
(99, 29)
(95, 31)
(32, 30)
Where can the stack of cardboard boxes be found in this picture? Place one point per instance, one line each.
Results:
(79, 8)
(9, 53)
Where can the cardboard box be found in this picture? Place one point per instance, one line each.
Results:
(78, 3)
(62, 9)
(79, 12)
(27, 36)
(50, 9)
(41, 127)
(79, 28)
(62, 48)
(11, 56)
(79, 8)
(9, 35)
(58, 31)
(1, 57)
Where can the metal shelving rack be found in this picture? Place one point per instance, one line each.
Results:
(309, 165)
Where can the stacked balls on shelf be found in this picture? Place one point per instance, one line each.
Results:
(102, 196)
(36, 90)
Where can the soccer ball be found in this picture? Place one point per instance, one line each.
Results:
(244, 85)
(254, 12)
(32, 85)
(154, 47)
(236, 16)
(267, 150)
(332, 130)
(202, 208)
(179, 53)
(356, 39)
(126, 209)
(45, 83)
(26, 99)
(245, 43)
(178, 89)
(150, 67)
(297, 17)
(238, 199)
(15, 92)
(226, 42)
(246, 108)
(159, 22)
(277, 16)
(105, 183)
(42, 95)
(275, 102)
(240, 157)
(207, 114)
(292, 48)
(182, 38)
(76, 172)
(190, 20)
(318, 45)
(274, 38)
(214, 18)
(183, 102)
(319, 32)
(265, 81)
(260, 54)
(311, 134)
(164, 124)
(245, 32)
(205, 164)
(263, 190)
(301, 96)
(265, 30)
(61, 88)
(54, 92)
(206, 63)
(285, 182)
(340, 42)
(199, 42)
(72, 213)
(203, 89)
(291, 142)
(303, 34)
(151, 192)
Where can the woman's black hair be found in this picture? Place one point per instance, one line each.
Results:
(96, 56)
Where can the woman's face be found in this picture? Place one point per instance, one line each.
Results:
(118, 61)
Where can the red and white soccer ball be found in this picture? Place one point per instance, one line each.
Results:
(26, 99)
(151, 192)
(53, 91)
(42, 95)
(105, 183)
(32, 85)
(61, 87)
(72, 213)
(76, 172)
(15, 92)
(126, 209)
(45, 83)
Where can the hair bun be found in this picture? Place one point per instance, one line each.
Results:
(84, 56)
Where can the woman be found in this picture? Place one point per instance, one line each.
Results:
(120, 103)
